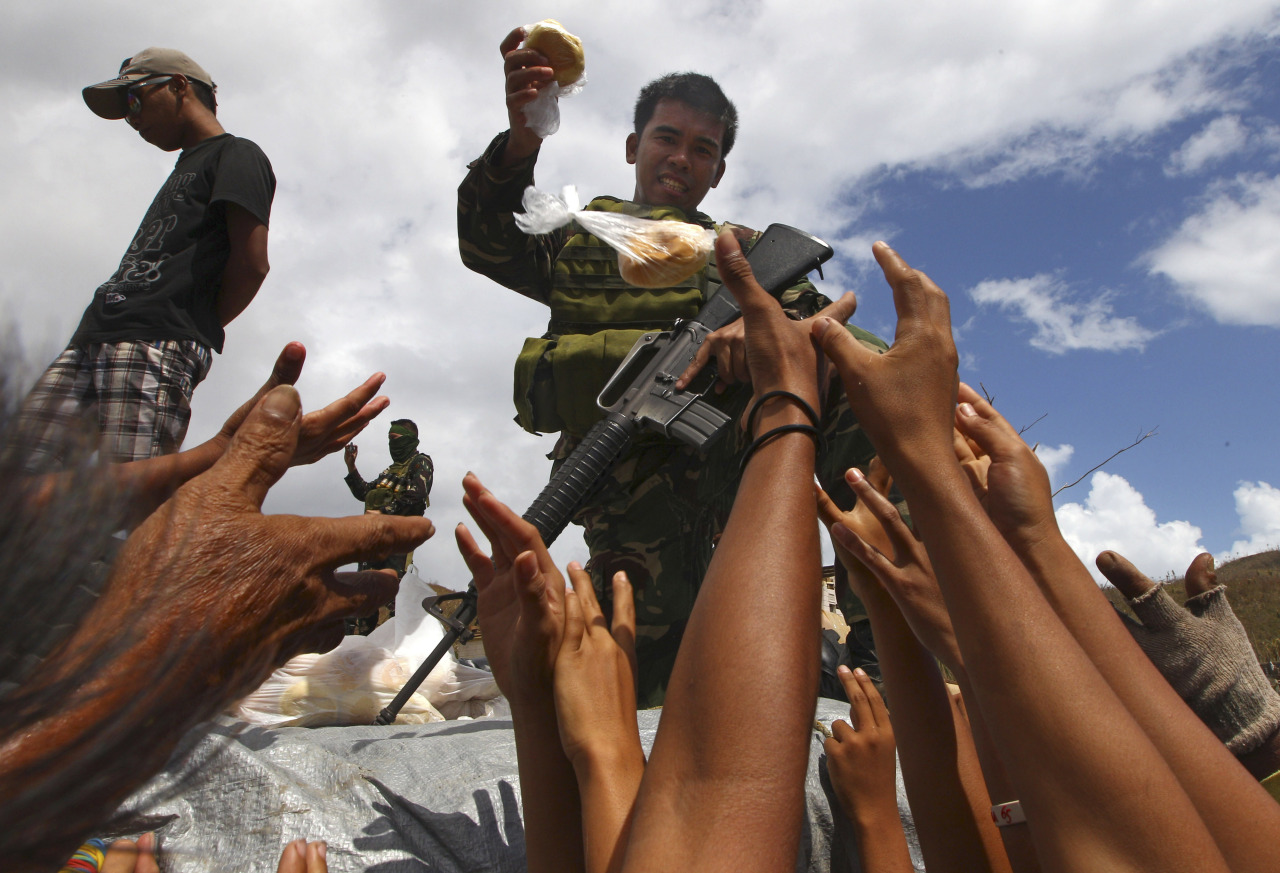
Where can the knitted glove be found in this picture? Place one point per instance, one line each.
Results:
(1204, 653)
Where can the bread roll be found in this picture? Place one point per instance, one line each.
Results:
(668, 253)
(562, 48)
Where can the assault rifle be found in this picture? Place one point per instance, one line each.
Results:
(641, 395)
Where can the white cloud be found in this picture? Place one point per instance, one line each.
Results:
(1226, 257)
(1258, 505)
(1115, 516)
(1055, 459)
(369, 113)
(1218, 139)
(1061, 324)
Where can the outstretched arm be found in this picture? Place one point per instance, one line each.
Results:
(1204, 653)
(152, 481)
(595, 705)
(706, 802)
(860, 757)
(520, 605)
(205, 599)
(1243, 819)
(1089, 802)
(949, 800)
(899, 562)
(488, 239)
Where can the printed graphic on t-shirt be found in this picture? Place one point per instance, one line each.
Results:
(141, 264)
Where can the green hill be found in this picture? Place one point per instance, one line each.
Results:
(1253, 587)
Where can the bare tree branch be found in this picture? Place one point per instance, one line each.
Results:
(1136, 442)
(1033, 424)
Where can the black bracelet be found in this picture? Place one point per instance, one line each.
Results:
(769, 395)
(810, 430)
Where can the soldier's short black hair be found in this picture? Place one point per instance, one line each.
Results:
(699, 91)
(404, 422)
(204, 94)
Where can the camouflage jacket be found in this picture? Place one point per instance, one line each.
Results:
(401, 489)
(492, 245)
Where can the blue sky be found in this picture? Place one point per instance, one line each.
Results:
(1156, 358)
(1096, 186)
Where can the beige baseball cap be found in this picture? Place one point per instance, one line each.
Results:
(108, 98)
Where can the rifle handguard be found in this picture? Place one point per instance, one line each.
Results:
(579, 475)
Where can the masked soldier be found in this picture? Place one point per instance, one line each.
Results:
(404, 488)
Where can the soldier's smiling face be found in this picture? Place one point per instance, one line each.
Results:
(678, 156)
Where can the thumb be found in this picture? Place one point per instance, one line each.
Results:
(843, 309)
(1128, 579)
(850, 356)
(735, 272)
(1200, 576)
(262, 447)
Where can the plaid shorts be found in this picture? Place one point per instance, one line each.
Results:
(132, 398)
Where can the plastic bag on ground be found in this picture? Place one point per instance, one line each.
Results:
(354, 682)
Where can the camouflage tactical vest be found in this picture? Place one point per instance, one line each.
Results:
(596, 317)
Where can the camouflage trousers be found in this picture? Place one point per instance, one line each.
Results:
(363, 625)
(660, 513)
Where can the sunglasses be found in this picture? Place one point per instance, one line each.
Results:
(133, 95)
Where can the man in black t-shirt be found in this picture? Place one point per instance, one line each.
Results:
(195, 263)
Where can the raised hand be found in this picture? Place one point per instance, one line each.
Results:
(768, 329)
(595, 672)
(303, 857)
(1018, 497)
(873, 535)
(527, 72)
(861, 760)
(262, 588)
(904, 398)
(596, 711)
(1202, 650)
(521, 596)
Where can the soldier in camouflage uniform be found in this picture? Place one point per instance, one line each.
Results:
(660, 513)
(404, 488)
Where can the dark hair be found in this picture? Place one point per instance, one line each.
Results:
(204, 94)
(404, 422)
(699, 91)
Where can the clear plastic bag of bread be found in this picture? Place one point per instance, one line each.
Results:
(651, 254)
(563, 51)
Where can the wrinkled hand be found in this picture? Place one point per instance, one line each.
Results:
(323, 431)
(905, 397)
(902, 567)
(527, 73)
(249, 591)
(1018, 497)
(520, 597)
(1202, 650)
(303, 857)
(595, 672)
(860, 752)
